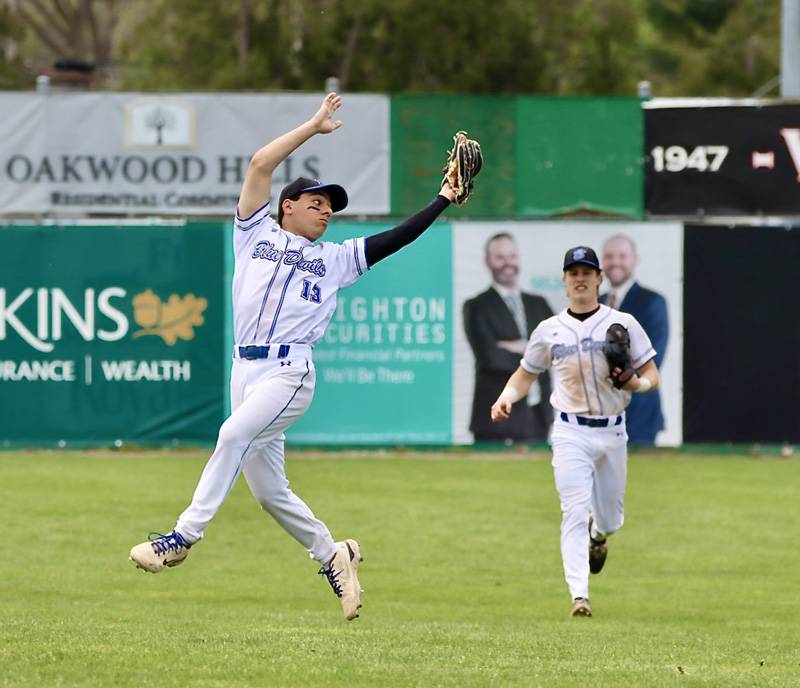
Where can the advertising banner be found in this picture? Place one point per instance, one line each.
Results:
(118, 333)
(579, 155)
(397, 364)
(722, 158)
(384, 365)
(180, 154)
(543, 156)
(111, 333)
(644, 259)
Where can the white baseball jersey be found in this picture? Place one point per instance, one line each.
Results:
(284, 286)
(574, 350)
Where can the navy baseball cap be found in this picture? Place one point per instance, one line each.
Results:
(336, 193)
(583, 255)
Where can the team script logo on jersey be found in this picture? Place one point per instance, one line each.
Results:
(266, 250)
(588, 344)
(173, 320)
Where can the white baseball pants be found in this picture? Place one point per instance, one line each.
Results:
(267, 396)
(590, 470)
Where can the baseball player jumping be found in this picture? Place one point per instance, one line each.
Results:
(284, 295)
(592, 384)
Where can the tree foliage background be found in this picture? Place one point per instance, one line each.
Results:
(563, 47)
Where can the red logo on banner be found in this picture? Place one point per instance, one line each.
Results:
(766, 159)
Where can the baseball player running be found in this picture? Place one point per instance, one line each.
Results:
(589, 397)
(284, 295)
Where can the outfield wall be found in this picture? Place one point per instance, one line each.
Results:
(136, 314)
(186, 154)
(122, 332)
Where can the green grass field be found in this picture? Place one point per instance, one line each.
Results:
(461, 569)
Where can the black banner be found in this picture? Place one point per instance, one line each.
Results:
(731, 160)
(741, 356)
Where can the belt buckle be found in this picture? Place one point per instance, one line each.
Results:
(252, 353)
(592, 422)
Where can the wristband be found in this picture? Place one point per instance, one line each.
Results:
(644, 385)
(511, 394)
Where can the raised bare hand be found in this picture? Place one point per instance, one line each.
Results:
(322, 119)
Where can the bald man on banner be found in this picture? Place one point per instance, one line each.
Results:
(620, 259)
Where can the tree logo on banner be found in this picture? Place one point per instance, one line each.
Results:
(173, 320)
(162, 123)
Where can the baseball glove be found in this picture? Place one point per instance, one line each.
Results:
(618, 355)
(463, 163)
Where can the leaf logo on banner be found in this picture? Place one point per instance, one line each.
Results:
(173, 320)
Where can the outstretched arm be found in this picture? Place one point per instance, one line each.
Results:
(379, 246)
(258, 180)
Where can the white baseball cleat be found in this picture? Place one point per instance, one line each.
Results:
(342, 574)
(581, 607)
(160, 551)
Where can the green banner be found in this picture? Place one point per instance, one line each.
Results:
(384, 365)
(111, 334)
(542, 156)
(579, 156)
(422, 132)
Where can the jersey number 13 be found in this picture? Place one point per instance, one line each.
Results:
(311, 292)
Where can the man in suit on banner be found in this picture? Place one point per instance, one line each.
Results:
(644, 418)
(498, 323)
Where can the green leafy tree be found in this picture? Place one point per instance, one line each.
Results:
(74, 30)
(712, 47)
(12, 71)
(575, 46)
(593, 47)
(564, 47)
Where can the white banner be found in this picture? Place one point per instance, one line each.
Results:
(182, 154)
(656, 265)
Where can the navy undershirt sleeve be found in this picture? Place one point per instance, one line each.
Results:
(379, 246)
